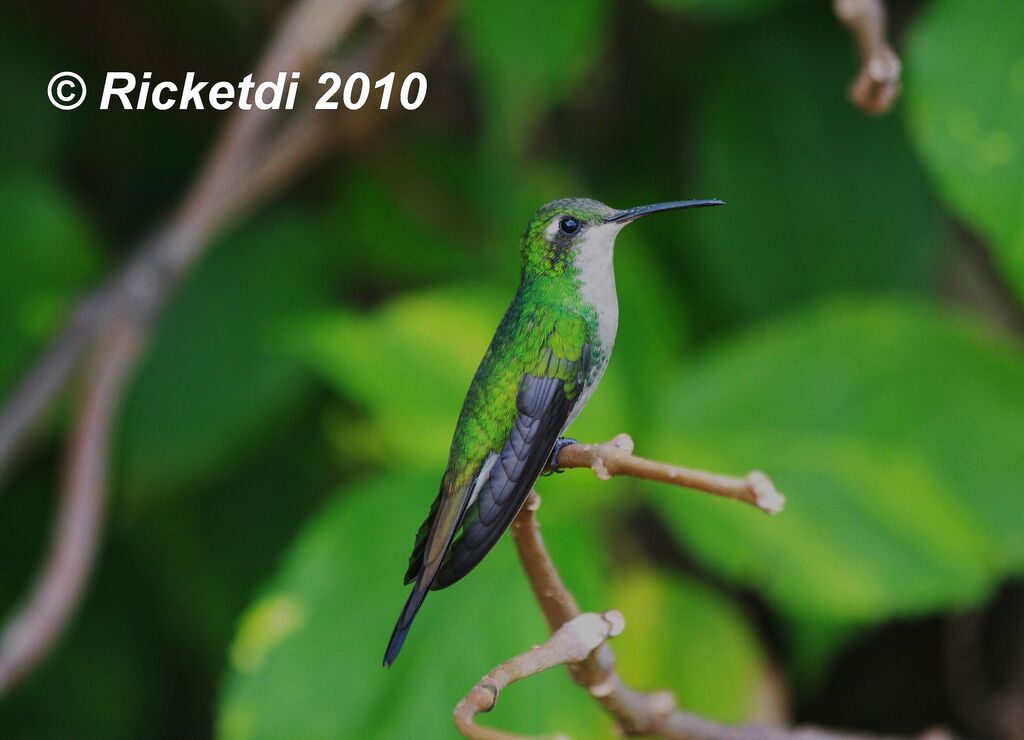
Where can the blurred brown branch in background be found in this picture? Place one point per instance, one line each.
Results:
(255, 157)
(635, 712)
(79, 522)
(878, 84)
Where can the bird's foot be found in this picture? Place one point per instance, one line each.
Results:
(553, 460)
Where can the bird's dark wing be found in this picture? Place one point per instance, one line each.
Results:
(520, 399)
(418, 549)
(543, 404)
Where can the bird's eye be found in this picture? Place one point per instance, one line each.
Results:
(569, 225)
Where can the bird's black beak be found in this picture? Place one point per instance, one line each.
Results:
(630, 214)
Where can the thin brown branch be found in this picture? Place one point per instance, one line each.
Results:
(615, 458)
(40, 621)
(306, 33)
(572, 642)
(30, 401)
(634, 712)
(878, 84)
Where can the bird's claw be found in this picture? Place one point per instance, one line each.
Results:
(561, 442)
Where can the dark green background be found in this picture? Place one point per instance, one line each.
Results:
(851, 323)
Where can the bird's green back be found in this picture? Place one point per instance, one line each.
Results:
(543, 333)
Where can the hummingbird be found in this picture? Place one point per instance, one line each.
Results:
(545, 360)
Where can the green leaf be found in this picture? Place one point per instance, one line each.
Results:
(49, 257)
(799, 166)
(965, 106)
(721, 9)
(897, 434)
(408, 364)
(528, 58)
(306, 659)
(212, 383)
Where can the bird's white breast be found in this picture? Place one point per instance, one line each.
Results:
(596, 273)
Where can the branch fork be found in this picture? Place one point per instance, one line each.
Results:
(571, 643)
(579, 640)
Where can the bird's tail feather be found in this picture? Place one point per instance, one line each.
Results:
(412, 605)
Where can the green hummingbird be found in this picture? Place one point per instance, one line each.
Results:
(547, 356)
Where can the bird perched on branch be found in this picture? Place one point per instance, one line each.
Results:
(546, 358)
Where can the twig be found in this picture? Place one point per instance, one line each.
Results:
(61, 582)
(878, 83)
(635, 712)
(572, 642)
(616, 458)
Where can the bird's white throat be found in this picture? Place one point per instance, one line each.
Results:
(595, 269)
(596, 272)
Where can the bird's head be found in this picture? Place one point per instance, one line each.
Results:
(563, 232)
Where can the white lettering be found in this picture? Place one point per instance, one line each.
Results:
(121, 92)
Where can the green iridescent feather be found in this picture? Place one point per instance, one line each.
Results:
(534, 338)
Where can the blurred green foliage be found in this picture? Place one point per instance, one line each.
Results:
(804, 177)
(721, 9)
(527, 59)
(327, 599)
(211, 355)
(287, 428)
(897, 432)
(971, 141)
(54, 259)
